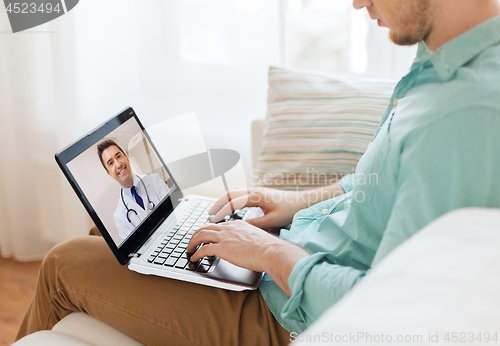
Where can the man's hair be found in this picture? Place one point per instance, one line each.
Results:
(105, 145)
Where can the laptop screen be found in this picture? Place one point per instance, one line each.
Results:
(120, 178)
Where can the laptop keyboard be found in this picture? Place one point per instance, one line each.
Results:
(172, 250)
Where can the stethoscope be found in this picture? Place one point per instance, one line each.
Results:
(150, 203)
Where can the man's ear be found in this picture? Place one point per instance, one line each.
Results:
(108, 173)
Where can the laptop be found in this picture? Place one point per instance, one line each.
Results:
(116, 162)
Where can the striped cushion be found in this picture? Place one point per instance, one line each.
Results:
(317, 126)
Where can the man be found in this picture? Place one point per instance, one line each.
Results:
(435, 150)
(138, 195)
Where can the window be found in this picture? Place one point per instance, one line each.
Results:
(331, 35)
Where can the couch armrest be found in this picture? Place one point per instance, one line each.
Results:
(79, 329)
(443, 279)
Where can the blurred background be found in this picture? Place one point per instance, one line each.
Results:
(164, 58)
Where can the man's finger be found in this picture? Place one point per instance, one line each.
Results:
(202, 237)
(209, 226)
(233, 194)
(260, 222)
(205, 250)
(237, 203)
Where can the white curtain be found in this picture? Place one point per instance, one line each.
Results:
(38, 114)
(164, 58)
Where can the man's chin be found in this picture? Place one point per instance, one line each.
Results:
(401, 40)
(125, 181)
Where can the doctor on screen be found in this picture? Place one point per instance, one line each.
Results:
(138, 194)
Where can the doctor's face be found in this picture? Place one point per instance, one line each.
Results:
(118, 166)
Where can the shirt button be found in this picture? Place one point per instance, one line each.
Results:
(324, 212)
(395, 102)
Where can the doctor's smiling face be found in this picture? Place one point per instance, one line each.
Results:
(116, 163)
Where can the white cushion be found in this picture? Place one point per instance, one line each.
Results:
(50, 338)
(79, 329)
(442, 280)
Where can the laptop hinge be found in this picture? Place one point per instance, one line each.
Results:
(134, 254)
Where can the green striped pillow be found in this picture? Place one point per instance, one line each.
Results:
(317, 126)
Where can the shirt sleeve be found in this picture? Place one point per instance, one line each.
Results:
(442, 167)
(316, 283)
(347, 182)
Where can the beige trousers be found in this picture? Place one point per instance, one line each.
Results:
(83, 275)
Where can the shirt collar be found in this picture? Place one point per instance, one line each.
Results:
(455, 53)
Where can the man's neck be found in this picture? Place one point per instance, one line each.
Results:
(452, 18)
(129, 184)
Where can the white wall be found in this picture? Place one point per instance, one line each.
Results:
(166, 58)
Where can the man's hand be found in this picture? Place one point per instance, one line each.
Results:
(249, 247)
(278, 206)
(237, 242)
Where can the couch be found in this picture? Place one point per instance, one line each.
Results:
(440, 286)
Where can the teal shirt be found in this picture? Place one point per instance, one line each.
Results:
(437, 148)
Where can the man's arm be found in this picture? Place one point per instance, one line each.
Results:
(279, 206)
(277, 256)
(443, 166)
(249, 247)
(313, 282)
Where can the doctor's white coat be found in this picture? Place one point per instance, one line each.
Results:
(155, 188)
